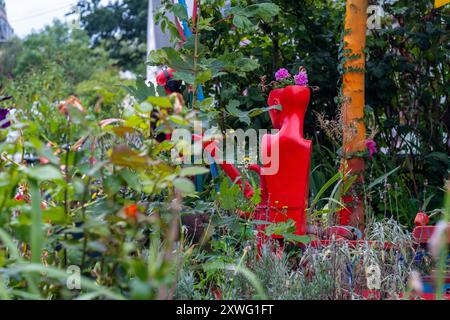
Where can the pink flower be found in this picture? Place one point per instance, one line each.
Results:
(282, 74)
(372, 147)
(301, 79)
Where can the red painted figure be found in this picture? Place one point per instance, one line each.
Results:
(229, 169)
(287, 188)
(284, 177)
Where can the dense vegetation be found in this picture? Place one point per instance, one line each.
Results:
(108, 199)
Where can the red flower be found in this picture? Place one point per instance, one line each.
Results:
(421, 219)
(131, 211)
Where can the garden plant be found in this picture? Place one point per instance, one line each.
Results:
(98, 201)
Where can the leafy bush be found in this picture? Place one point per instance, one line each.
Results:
(84, 182)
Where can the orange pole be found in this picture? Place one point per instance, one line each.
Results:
(354, 130)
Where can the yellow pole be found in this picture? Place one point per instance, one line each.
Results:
(440, 3)
(353, 101)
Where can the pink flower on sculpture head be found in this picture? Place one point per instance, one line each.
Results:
(282, 74)
(301, 79)
(372, 147)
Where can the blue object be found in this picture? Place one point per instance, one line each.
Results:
(214, 171)
(200, 97)
(186, 29)
(187, 32)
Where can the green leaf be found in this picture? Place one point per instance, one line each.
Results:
(249, 275)
(141, 91)
(260, 222)
(179, 120)
(193, 171)
(171, 57)
(297, 238)
(205, 24)
(184, 185)
(228, 195)
(382, 178)
(426, 202)
(232, 109)
(439, 156)
(180, 11)
(187, 77)
(257, 111)
(265, 11)
(145, 107)
(55, 215)
(324, 188)
(37, 233)
(131, 179)
(112, 184)
(63, 276)
(160, 101)
(246, 64)
(42, 173)
(204, 76)
(242, 22)
(280, 228)
(94, 171)
(124, 156)
(15, 255)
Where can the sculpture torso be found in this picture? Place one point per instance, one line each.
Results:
(287, 188)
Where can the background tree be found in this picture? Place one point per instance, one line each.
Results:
(57, 62)
(406, 76)
(405, 82)
(121, 26)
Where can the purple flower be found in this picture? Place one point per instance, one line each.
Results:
(3, 114)
(282, 74)
(301, 79)
(372, 147)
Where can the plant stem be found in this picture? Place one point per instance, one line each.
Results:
(194, 89)
(66, 189)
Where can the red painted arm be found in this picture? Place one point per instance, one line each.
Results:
(229, 169)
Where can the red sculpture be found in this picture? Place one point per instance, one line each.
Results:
(284, 192)
(287, 189)
(229, 169)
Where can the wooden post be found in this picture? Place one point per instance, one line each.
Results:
(353, 102)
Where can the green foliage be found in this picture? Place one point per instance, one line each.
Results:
(59, 46)
(102, 89)
(119, 26)
(408, 101)
(48, 66)
(110, 199)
